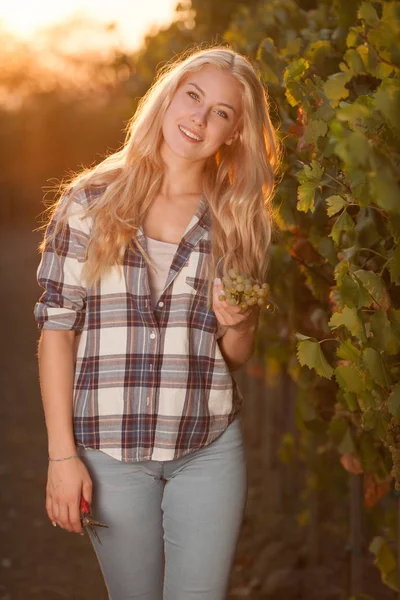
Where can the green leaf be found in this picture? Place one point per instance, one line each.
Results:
(335, 204)
(350, 378)
(351, 292)
(296, 69)
(314, 130)
(354, 60)
(394, 265)
(393, 402)
(387, 101)
(373, 284)
(385, 560)
(350, 319)
(351, 401)
(309, 353)
(394, 227)
(294, 93)
(343, 223)
(384, 188)
(347, 351)
(367, 13)
(384, 333)
(309, 179)
(352, 113)
(372, 361)
(335, 87)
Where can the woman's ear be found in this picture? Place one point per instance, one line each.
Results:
(232, 138)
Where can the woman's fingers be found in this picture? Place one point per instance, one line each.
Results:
(63, 520)
(75, 517)
(49, 509)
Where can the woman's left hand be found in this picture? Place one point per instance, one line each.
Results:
(232, 316)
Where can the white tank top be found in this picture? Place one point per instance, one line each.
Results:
(161, 253)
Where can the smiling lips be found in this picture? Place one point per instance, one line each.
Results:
(190, 134)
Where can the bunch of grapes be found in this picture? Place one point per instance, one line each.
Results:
(242, 289)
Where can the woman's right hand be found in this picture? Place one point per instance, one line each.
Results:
(66, 482)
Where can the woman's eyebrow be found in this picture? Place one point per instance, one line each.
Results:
(203, 93)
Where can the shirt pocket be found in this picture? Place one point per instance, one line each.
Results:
(197, 285)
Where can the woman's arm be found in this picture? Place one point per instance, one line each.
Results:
(56, 372)
(237, 347)
(68, 479)
(237, 343)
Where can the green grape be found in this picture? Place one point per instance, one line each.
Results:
(244, 306)
(256, 287)
(240, 287)
(260, 302)
(248, 289)
(232, 273)
(227, 281)
(239, 279)
(265, 286)
(252, 301)
(222, 297)
(231, 301)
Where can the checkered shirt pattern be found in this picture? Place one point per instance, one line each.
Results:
(149, 384)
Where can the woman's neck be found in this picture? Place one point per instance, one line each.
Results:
(181, 177)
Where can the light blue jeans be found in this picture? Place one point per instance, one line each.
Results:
(173, 525)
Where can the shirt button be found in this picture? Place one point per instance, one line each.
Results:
(152, 335)
(161, 304)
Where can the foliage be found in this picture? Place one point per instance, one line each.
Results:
(334, 77)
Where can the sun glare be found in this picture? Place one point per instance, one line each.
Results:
(133, 18)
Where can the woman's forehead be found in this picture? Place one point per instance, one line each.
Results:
(216, 84)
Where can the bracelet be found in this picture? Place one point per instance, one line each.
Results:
(66, 458)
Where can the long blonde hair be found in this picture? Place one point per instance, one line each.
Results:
(238, 181)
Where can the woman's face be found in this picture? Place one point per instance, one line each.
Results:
(203, 114)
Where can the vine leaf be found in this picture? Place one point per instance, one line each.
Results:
(372, 361)
(335, 204)
(309, 179)
(343, 223)
(350, 378)
(315, 129)
(309, 354)
(367, 13)
(335, 87)
(385, 561)
(350, 319)
(347, 351)
(393, 402)
(374, 285)
(394, 265)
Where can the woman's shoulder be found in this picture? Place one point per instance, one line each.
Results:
(85, 196)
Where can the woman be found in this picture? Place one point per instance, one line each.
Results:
(137, 349)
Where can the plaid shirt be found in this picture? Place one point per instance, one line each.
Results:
(149, 384)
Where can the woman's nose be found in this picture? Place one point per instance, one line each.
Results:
(199, 118)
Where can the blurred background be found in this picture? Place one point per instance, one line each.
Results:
(322, 398)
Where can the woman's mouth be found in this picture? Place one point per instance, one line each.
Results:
(190, 135)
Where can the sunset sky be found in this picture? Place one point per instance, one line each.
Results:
(132, 17)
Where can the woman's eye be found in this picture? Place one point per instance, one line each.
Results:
(222, 113)
(193, 95)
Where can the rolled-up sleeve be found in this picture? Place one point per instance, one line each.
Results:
(63, 302)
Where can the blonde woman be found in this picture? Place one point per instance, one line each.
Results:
(137, 350)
